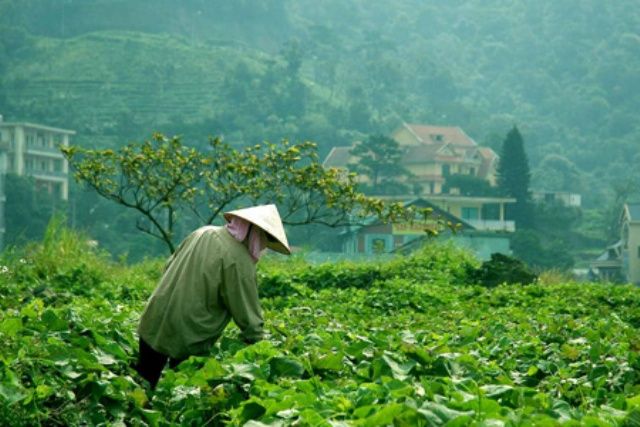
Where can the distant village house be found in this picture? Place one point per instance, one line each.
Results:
(620, 262)
(433, 154)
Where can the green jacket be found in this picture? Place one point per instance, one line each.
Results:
(209, 280)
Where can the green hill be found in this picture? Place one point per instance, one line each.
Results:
(565, 72)
(106, 85)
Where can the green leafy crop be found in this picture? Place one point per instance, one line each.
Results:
(405, 342)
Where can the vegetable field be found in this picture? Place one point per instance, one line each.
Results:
(401, 343)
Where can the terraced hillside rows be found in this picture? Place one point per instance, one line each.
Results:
(401, 343)
(101, 83)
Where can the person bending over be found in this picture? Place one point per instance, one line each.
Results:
(209, 280)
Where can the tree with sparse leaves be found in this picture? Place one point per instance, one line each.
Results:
(166, 182)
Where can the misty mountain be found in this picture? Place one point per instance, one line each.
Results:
(564, 72)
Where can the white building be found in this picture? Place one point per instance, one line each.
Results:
(33, 150)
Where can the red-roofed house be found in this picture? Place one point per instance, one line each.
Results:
(435, 152)
(431, 154)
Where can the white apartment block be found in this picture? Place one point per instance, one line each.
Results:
(33, 150)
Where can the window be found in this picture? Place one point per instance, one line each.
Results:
(491, 211)
(469, 213)
(378, 243)
(446, 170)
(638, 251)
(57, 190)
(378, 246)
(57, 165)
(472, 171)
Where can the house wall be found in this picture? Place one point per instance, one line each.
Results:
(481, 245)
(634, 253)
(426, 168)
(455, 207)
(35, 152)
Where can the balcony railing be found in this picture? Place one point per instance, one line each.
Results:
(44, 150)
(39, 172)
(492, 225)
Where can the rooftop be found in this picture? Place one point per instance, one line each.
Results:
(427, 134)
(634, 211)
(36, 126)
(338, 157)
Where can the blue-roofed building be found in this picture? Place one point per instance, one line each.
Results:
(481, 237)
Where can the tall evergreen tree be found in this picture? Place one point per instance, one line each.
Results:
(514, 176)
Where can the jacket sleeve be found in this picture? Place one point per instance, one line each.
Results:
(240, 296)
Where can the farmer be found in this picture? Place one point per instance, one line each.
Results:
(209, 280)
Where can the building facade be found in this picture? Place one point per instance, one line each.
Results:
(434, 153)
(483, 238)
(431, 154)
(33, 150)
(562, 197)
(620, 262)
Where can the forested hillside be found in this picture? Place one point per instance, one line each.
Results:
(565, 72)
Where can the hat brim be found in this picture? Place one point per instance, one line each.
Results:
(273, 242)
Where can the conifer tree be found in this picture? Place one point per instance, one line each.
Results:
(514, 176)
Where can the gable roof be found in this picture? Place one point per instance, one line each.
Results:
(632, 211)
(437, 213)
(489, 157)
(38, 127)
(338, 157)
(428, 134)
(432, 144)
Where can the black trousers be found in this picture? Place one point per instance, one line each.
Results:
(151, 363)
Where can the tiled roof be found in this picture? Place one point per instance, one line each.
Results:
(338, 157)
(427, 134)
(488, 158)
(433, 144)
(634, 211)
(419, 153)
(36, 126)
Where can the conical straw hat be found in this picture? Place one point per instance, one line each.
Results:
(268, 219)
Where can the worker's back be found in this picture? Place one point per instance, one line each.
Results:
(187, 312)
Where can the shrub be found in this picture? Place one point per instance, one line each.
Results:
(501, 269)
(438, 262)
